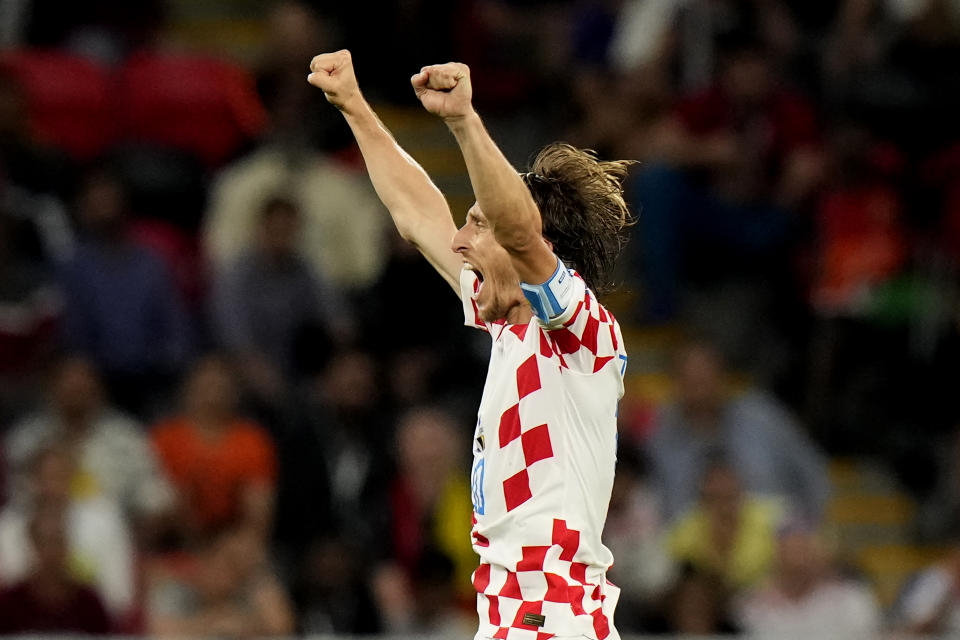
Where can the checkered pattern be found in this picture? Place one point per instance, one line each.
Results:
(587, 340)
(543, 459)
(507, 596)
(533, 441)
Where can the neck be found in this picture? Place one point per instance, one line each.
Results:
(798, 585)
(704, 417)
(209, 422)
(77, 424)
(519, 314)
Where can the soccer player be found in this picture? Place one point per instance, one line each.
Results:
(526, 263)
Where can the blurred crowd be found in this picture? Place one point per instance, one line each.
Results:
(234, 402)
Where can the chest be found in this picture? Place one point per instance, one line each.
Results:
(521, 379)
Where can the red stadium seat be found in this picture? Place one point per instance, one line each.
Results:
(69, 99)
(206, 106)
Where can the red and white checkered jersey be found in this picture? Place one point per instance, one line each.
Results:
(544, 456)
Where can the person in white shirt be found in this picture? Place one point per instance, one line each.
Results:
(805, 597)
(113, 456)
(100, 549)
(527, 262)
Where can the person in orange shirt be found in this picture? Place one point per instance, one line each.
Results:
(223, 466)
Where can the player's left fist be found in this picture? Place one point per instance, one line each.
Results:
(445, 90)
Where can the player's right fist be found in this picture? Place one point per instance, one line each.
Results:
(333, 74)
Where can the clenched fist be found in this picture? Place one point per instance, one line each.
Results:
(333, 74)
(445, 89)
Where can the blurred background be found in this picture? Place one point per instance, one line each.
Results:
(233, 402)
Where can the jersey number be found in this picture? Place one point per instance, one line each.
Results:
(476, 486)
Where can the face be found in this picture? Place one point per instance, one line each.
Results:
(102, 204)
(293, 33)
(350, 382)
(279, 231)
(699, 379)
(77, 391)
(210, 390)
(720, 495)
(426, 440)
(801, 553)
(499, 283)
(747, 77)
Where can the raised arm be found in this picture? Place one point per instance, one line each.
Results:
(504, 199)
(418, 209)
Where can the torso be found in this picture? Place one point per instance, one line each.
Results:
(544, 458)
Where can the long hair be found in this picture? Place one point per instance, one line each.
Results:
(584, 213)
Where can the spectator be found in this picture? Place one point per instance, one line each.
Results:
(426, 491)
(635, 532)
(423, 361)
(736, 160)
(861, 242)
(699, 604)
(772, 456)
(430, 513)
(351, 438)
(223, 466)
(805, 597)
(249, 292)
(30, 306)
(333, 511)
(729, 534)
(99, 547)
(113, 457)
(333, 589)
(122, 309)
(342, 236)
(860, 255)
(226, 591)
(49, 600)
(294, 33)
(437, 605)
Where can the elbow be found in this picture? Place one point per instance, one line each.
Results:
(411, 228)
(407, 233)
(407, 221)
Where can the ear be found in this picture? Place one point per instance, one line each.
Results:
(548, 243)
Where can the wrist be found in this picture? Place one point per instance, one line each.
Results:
(462, 122)
(356, 109)
(355, 105)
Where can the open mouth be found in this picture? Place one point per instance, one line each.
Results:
(470, 267)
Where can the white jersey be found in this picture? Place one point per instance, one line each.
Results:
(544, 456)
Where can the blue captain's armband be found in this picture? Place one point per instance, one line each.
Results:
(550, 299)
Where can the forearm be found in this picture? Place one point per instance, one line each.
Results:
(503, 197)
(402, 185)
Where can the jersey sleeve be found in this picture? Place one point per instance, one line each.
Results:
(586, 336)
